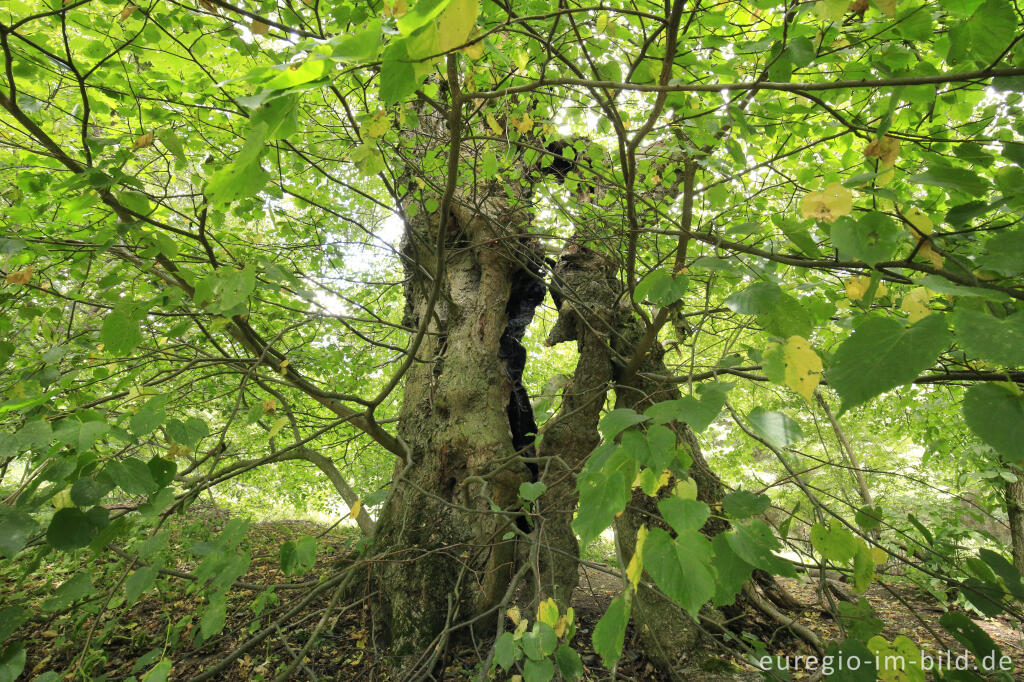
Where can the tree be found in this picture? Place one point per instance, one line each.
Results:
(204, 281)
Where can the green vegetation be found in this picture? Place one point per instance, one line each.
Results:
(345, 339)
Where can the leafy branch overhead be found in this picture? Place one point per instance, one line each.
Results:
(703, 304)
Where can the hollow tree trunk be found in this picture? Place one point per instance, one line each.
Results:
(439, 557)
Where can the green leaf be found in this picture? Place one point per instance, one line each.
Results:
(538, 670)
(360, 46)
(132, 476)
(1007, 572)
(88, 491)
(681, 568)
(78, 586)
(984, 336)
(505, 651)
(754, 542)
(11, 618)
(863, 568)
(834, 542)
(948, 177)
(973, 637)
(149, 416)
(731, 572)
(540, 642)
(569, 662)
(882, 354)
(859, 619)
(601, 498)
(742, 504)
(159, 672)
(996, 415)
(850, 650)
(775, 427)
(16, 528)
(757, 299)
(298, 556)
(422, 12)
(398, 78)
(187, 433)
(684, 515)
(872, 238)
(868, 517)
(162, 470)
(140, 582)
(530, 491)
(120, 332)
(613, 423)
(212, 620)
(695, 413)
(70, 529)
(12, 662)
(611, 629)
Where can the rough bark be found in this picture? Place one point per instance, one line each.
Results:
(586, 283)
(1015, 515)
(439, 554)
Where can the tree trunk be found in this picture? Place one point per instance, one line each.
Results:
(1015, 515)
(439, 555)
(570, 436)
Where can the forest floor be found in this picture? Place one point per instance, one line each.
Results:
(124, 643)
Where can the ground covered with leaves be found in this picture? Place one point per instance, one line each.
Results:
(125, 637)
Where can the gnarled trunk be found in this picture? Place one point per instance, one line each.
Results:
(440, 557)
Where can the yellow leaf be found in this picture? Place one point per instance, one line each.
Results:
(127, 11)
(20, 276)
(887, 7)
(523, 125)
(547, 612)
(493, 125)
(143, 141)
(686, 488)
(62, 500)
(856, 287)
(356, 508)
(828, 204)
(474, 50)
(923, 225)
(378, 125)
(602, 22)
(517, 634)
(879, 556)
(514, 615)
(926, 251)
(258, 28)
(885, 149)
(457, 22)
(915, 304)
(276, 427)
(561, 626)
(803, 366)
(831, 10)
(635, 569)
(269, 405)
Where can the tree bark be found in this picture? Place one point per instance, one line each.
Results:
(439, 555)
(1015, 515)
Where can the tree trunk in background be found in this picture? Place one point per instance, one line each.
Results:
(439, 554)
(572, 434)
(596, 315)
(1015, 515)
(668, 635)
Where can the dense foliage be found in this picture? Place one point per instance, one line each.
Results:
(212, 243)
